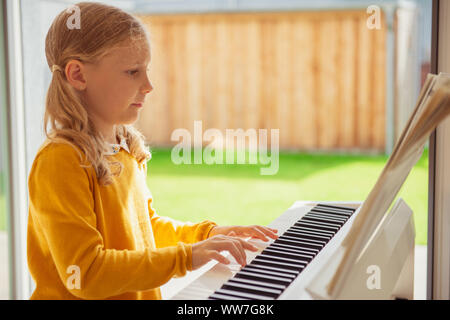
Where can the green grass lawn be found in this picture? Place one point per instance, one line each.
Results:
(238, 194)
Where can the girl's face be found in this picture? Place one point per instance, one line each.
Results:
(117, 85)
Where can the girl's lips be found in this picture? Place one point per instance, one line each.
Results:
(138, 105)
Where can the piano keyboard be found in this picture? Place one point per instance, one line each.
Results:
(280, 263)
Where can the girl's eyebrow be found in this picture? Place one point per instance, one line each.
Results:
(139, 64)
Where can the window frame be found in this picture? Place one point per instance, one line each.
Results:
(17, 200)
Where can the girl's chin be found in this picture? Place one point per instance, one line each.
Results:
(128, 121)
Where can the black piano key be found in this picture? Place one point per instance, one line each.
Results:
(319, 244)
(271, 270)
(277, 264)
(263, 277)
(338, 213)
(247, 288)
(335, 212)
(295, 247)
(336, 207)
(299, 243)
(261, 282)
(306, 236)
(317, 226)
(288, 249)
(280, 247)
(308, 230)
(327, 217)
(270, 257)
(322, 220)
(316, 242)
(278, 253)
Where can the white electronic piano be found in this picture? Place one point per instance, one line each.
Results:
(300, 263)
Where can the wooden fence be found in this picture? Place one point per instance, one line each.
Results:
(319, 77)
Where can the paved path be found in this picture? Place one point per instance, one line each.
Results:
(420, 273)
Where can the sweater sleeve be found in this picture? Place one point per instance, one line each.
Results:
(168, 231)
(62, 206)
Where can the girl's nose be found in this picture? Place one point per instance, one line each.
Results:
(147, 88)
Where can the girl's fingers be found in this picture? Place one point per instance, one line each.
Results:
(257, 233)
(242, 256)
(232, 234)
(234, 250)
(262, 233)
(248, 246)
(271, 233)
(218, 257)
(239, 247)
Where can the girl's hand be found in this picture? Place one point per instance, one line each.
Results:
(204, 251)
(256, 232)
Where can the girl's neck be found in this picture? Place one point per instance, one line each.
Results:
(111, 137)
(107, 131)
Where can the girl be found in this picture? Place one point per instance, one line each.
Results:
(92, 230)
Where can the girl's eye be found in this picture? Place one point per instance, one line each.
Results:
(132, 72)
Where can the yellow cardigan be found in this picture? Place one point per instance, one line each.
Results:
(88, 241)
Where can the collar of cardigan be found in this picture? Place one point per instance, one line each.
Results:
(115, 148)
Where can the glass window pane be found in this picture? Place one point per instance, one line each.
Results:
(4, 254)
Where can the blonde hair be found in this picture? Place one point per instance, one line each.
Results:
(103, 27)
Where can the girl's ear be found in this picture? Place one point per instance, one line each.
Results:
(75, 74)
